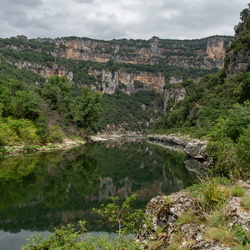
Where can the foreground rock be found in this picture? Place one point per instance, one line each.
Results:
(167, 229)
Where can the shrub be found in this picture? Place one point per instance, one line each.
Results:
(210, 193)
(25, 129)
(242, 235)
(55, 135)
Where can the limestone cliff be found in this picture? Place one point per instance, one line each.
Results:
(201, 53)
(127, 81)
(44, 70)
(137, 64)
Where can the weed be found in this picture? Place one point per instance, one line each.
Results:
(213, 195)
(155, 245)
(159, 230)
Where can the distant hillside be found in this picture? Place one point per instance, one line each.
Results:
(139, 68)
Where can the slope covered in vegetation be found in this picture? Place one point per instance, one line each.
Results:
(217, 107)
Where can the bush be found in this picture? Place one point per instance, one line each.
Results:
(210, 193)
(25, 130)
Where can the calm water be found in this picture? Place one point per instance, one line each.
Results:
(47, 190)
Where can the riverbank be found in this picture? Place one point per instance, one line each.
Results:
(65, 144)
(23, 149)
(192, 147)
(105, 137)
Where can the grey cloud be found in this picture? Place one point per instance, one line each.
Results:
(27, 3)
(182, 19)
(85, 1)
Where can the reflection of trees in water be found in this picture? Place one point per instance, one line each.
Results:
(39, 192)
(136, 167)
(33, 189)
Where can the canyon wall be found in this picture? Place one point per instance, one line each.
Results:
(201, 53)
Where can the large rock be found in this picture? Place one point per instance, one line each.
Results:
(195, 148)
(192, 147)
(164, 213)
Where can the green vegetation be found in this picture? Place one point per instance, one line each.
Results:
(124, 216)
(130, 112)
(32, 115)
(211, 217)
(210, 193)
(217, 108)
(122, 219)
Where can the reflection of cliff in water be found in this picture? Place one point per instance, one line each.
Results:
(39, 192)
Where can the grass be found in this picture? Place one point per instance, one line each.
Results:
(237, 191)
(217, 218)
(186, 218)
(246, 202)
(222, 234)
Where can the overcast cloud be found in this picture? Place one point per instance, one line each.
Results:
(109, 19)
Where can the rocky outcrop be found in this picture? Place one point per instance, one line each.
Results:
(192, 147)
(45, 71)
(126, 81)
(168, 228)
(207, 53)
(216, 50)
(237, 62)
(176, 94)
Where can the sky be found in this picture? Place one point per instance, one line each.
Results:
(116, 19)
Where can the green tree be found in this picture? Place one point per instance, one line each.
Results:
(57, 91)
(85, 109)
(122, 217)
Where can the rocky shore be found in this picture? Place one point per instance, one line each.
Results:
(65, 144)
(180, 221)
(192, 147)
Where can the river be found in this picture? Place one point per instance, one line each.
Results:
(45, 190)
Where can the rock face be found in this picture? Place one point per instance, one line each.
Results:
(176, 94)
(206, 53)
(45, 71)
(195, 148)
(165, 213)
(237, 62)
(209, 52)
(216, 50)
(127, 81)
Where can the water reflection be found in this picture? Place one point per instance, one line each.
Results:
(42, 191)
